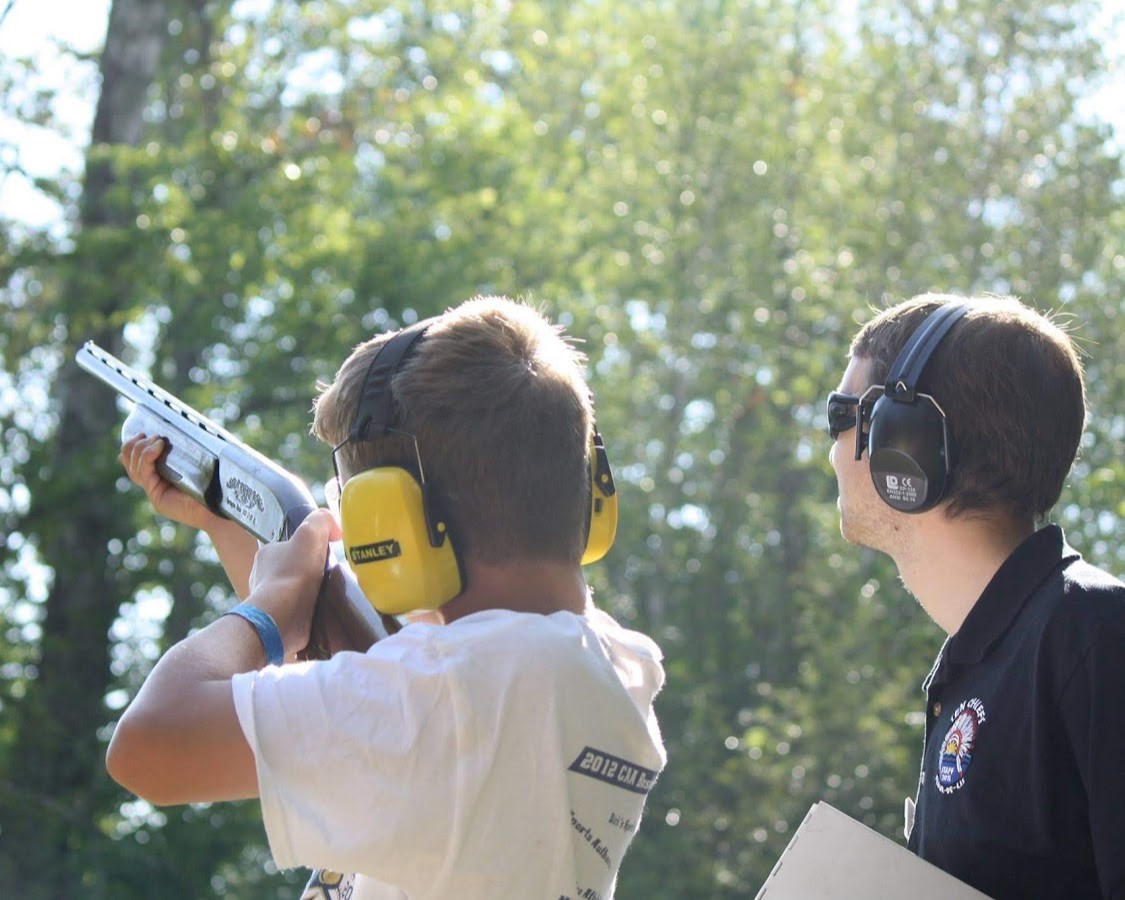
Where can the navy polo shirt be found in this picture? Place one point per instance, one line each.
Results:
(1022, 785)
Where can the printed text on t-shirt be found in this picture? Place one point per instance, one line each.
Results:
(596, 843)
(614, 770)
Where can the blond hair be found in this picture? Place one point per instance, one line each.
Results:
(497, 399)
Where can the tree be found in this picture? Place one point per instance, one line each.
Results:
(56, 751)
(711, 194)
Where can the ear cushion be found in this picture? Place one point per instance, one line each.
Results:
(388, 545)
(603, 504)
(907, 449)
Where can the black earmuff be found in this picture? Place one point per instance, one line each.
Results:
(906, 434)
(393, 532)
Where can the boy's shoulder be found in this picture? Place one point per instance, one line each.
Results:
(560, 628)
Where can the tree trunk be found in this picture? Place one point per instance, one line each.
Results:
(56, 788)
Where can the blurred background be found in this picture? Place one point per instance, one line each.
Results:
(711, 193)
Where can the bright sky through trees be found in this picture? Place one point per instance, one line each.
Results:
(49, 31)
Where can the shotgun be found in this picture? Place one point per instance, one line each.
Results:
(239, 483)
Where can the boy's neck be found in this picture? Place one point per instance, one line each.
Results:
(531, 586)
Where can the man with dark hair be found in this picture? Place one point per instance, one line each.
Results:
(955, 425)
(500, 745)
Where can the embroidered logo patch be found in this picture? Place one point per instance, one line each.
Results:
(955, 754)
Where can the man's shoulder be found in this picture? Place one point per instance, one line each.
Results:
(1090, 594)
(1079, 606)
(1086, 576)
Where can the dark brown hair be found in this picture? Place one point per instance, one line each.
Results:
(1011, 384)
(497, 399)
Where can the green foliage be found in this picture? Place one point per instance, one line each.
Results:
(711, 195)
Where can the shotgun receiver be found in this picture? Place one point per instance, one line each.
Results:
(239, 483)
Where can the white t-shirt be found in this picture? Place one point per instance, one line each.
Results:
(503, 755)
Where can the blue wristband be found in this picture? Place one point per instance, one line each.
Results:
(267, 630)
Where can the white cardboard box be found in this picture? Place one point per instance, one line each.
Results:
(834, 857)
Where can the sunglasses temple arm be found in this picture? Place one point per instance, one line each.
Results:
(860, 434)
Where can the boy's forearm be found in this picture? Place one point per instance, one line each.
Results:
(180, 740)
(236, 548)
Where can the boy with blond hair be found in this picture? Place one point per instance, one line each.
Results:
(502, 743)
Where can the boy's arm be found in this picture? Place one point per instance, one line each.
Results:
(344, 618)
(180, 740)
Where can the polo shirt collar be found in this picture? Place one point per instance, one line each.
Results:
(1028, 566)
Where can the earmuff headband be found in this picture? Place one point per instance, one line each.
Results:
(902, 382)
(375, 404)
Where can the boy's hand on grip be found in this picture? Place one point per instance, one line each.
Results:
(287, 576)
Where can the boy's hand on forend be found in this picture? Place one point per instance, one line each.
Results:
(139, 456)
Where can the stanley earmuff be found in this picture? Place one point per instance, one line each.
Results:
(393, 532)
(907, 435)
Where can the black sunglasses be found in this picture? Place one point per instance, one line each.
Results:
(841, 413)
(845, 411)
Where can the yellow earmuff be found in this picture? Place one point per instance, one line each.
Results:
(388, 543)
(398, 546)
(603, 505)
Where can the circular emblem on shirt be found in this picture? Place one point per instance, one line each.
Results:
(955, 754)
(328, 885)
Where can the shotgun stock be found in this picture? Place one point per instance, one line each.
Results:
(237, 482)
